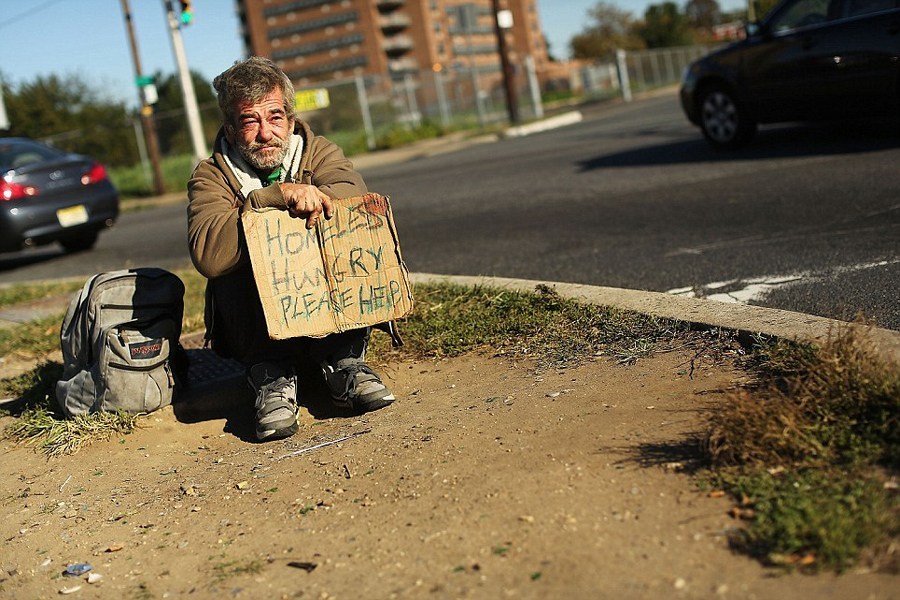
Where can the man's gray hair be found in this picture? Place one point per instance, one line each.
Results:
(251, 80)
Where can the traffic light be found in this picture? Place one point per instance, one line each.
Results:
(187, 12)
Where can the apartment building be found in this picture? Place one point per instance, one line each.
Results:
(323, 40)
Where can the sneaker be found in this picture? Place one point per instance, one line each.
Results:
(276, 401)
(355, 386)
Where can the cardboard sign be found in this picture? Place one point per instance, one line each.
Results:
(345, 273)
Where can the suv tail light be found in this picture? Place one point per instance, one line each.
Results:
(95, 174)
(14, 191)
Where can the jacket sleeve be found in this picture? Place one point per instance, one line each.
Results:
(332, 172)
(215, 235)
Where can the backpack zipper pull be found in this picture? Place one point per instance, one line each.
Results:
(171, 377)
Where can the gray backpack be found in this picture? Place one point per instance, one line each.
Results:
(119, 342)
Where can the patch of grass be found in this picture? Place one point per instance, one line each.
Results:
(803, 450)
(41, 423)
(33, 388)
(402, 135)
(132, 181)
(18, 294)
(812, 518)
(450, 320)
(836, 405)
(33, 339)
(46, 428)
(233, 568)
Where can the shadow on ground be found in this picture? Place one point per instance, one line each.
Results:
(784, 141)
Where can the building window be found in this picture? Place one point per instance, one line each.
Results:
(349, 18)
(290, 7)
(328, 68)
(331, 45)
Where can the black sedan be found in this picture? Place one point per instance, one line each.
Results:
(807, 60)
(50, 196)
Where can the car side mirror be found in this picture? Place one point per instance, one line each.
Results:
(753, 29)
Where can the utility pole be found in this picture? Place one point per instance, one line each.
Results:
(4, 118)
(191, 109)
(149, 128)
(501, 23)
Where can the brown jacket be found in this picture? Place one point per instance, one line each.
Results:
(234, 320)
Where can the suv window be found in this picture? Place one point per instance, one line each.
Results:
(800, 13)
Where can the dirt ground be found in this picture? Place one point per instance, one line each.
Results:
(485, 479)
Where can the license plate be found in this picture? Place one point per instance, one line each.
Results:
(73, 215)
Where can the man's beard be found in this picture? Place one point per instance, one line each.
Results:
(253, 154)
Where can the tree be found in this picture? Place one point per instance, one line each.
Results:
(703, 14)
(612, 29)
(171, 122)
(764, 7)
(665, 26)
(69, 114)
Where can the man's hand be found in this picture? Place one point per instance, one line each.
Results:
(304, 200)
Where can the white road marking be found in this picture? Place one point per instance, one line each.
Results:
(744, 291)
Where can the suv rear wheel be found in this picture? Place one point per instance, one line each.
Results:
(724, 123)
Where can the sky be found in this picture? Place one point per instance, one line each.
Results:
(87, 38)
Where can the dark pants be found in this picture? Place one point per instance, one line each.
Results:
(237, 327)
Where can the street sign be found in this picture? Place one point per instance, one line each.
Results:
(143, 80)
(314, 99)
(149, 94)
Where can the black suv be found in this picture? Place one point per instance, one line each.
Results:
(807, 60)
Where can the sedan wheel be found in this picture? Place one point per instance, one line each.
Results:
(80, 243)
(725, 125)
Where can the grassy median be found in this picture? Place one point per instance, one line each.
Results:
(809, 451)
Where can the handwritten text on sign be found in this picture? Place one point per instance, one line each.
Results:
(346, 274)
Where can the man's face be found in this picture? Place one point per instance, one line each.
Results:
(262, 131)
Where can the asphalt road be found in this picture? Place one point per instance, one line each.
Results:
(805, 219)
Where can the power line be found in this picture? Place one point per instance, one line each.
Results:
(29, 13)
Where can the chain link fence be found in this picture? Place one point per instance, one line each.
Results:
(636, 71)
(366, 113)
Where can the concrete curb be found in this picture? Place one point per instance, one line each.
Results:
(748, 320)
(459, 141)
(569, 118)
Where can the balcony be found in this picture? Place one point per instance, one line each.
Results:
(402, 66)
(397, 45)
(389, 4)
(394, 22)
